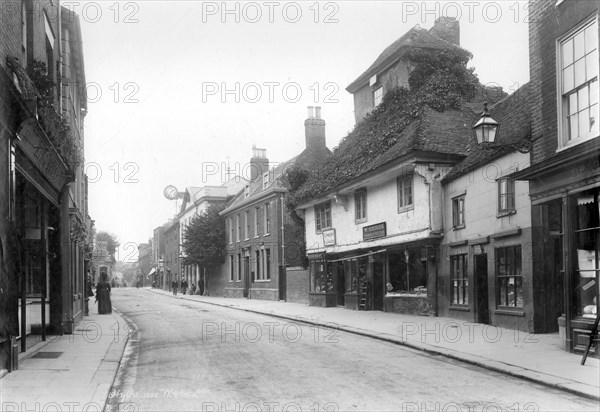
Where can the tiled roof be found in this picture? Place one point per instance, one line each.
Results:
(514, 116)
(416, 37)
(309, 158)
(388, 139)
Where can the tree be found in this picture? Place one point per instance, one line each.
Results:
(112, 243)
(204, 240)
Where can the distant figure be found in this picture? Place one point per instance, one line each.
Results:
(88, 293)
(174, 286)
(138, 283)
(103, 295)
(200, 287)
(184, 286)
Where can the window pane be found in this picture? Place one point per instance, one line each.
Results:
(584, 122)
(591, 65)
(583, 98)
(503, 291)
(580, 72)
(573, 103)
(594, 119)
(568, 79)
(594, 92)
(567, 52)
(573, 127)
(591, 38)
(579, 45)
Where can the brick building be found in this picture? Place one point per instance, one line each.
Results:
(564, 175)
(262, 240)
(44, 224)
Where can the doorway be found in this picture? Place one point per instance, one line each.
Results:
(481, 291)
(378, 292)
(340, 284)
(246, 275)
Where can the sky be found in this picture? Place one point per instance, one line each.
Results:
(179, 89)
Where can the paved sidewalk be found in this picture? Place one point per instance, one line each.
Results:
(70, 372)
(537, 358)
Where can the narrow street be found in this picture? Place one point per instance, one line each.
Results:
(194, 356)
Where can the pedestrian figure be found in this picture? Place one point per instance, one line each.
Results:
(174, 286)
(88, 293)
(184, 286)
(200, 287)
(103, 295)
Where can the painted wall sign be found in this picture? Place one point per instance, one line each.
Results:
(329, 237)
(374, 231)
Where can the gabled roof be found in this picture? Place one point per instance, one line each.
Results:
(388, 135)
(416, 37)
(514, 116)
(309, 158)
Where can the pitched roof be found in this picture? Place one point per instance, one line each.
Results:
(308, 159)
(390, 133)
(416, 37)
(514, 116)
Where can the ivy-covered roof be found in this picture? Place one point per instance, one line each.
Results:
(514, 116)
(416, 37)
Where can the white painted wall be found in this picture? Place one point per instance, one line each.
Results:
(481, 200)
(382, 206)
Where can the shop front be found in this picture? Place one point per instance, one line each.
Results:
(393, 278)
(566, 246)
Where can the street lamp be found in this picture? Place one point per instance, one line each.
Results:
(486, 127)
(486, 130)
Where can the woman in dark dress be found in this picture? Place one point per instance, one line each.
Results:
(103, 295)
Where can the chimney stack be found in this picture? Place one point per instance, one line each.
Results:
(259, 163)
(447, 28)
(314, 128)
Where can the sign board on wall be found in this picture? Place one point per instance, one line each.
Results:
(329, 237)
(374, 231)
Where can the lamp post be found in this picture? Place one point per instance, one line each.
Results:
(486, 130)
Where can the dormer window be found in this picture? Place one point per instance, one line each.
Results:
(246, 191)
(266, 180)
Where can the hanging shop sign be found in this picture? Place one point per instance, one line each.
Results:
(374, 231)
(329, 237)
(41, 153)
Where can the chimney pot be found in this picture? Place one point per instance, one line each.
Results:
(318, 112)
(310, 112)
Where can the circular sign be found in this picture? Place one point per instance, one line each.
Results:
(171, 192)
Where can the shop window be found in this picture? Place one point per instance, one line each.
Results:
(405, 193)
(360, 206)
(506, 195)
(323, 216)
(356, 273)
(509, 277)
(407, 272)
(460, 279)
(458, 212)
(578, 78)
(587, 238)
(321, 278)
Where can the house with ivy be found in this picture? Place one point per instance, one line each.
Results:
(45, 228)
(373, 212)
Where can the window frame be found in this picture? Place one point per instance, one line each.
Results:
(459, 280)
(458, 212)
(256, 221)
(267, 218)
(401, 186)
(377, 98)
(512, 272)
(563, 115)
(509, 195)
(247, 225)
(323, 210)
(360, 212)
